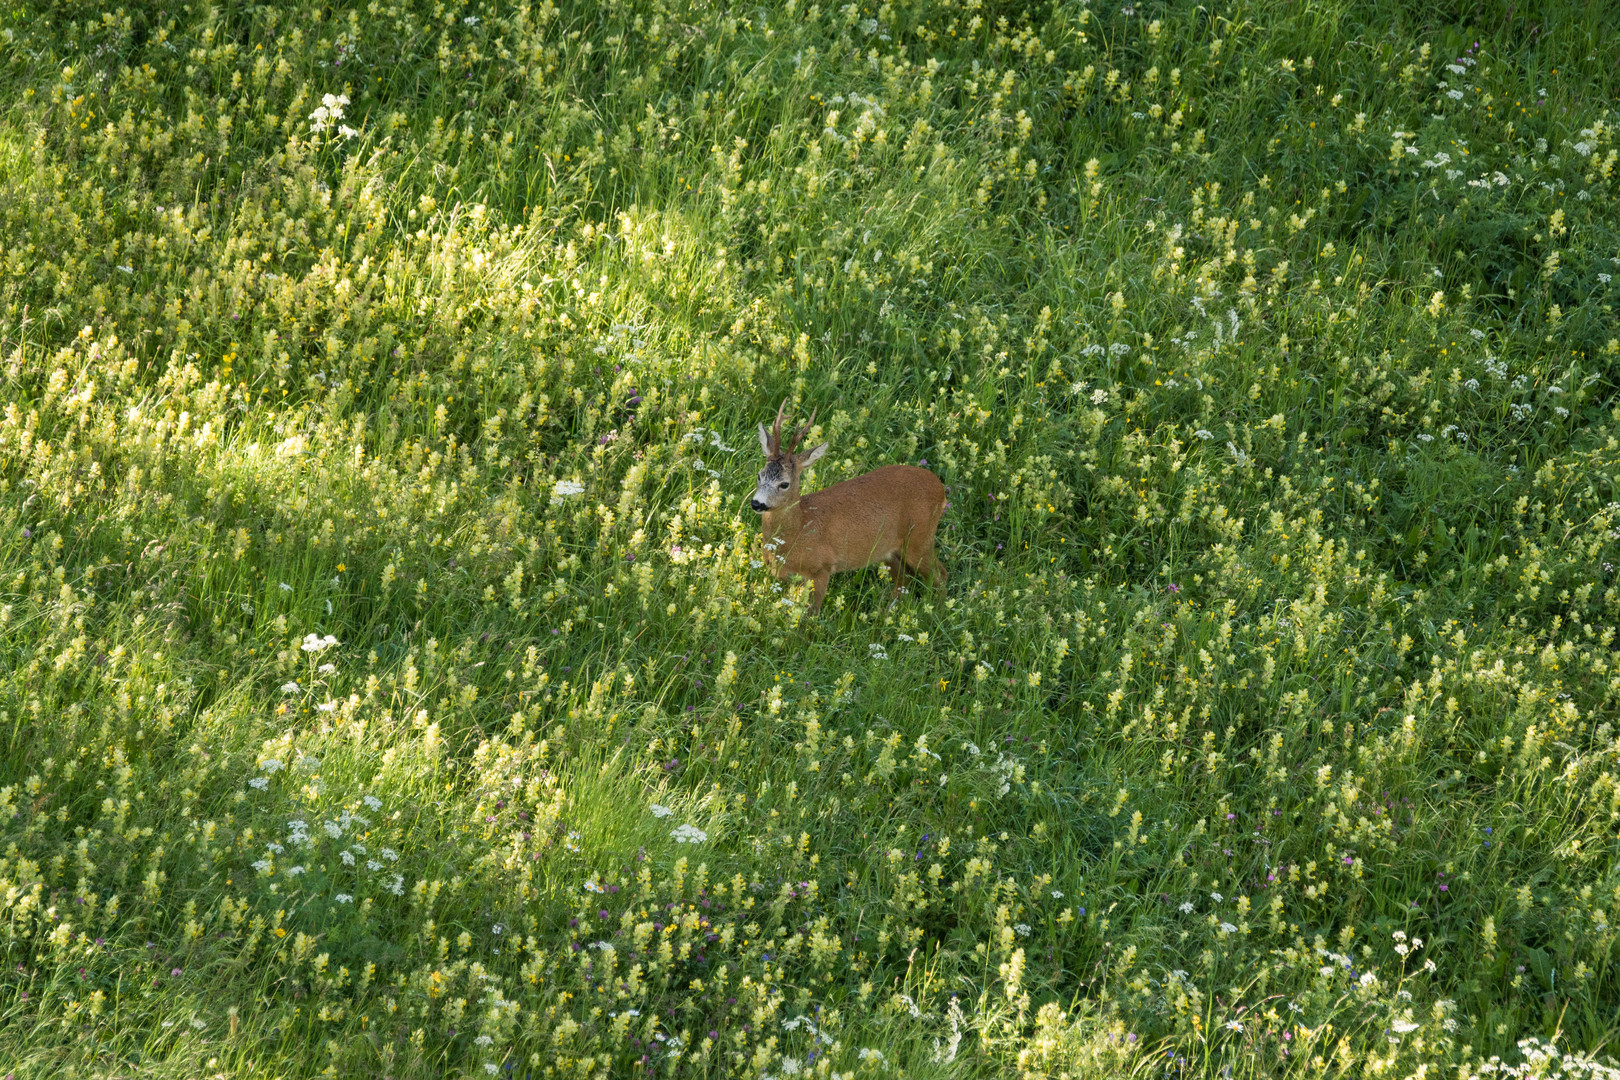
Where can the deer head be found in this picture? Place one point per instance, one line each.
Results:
(779, 479)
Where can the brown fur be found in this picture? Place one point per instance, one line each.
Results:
(888, 515)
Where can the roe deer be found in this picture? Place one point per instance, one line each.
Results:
(888, 515)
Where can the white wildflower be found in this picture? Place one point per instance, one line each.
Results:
(689, 834)
(328, 112)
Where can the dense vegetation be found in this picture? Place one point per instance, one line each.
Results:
(389, 683)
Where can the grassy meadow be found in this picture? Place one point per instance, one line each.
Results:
(389, 681)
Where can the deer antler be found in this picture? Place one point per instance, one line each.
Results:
(776, 432)
(801, 432)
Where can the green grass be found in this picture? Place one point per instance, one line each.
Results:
(1268, 351)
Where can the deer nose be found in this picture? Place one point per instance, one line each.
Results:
(758, 506)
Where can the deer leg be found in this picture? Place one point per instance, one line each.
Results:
(819, 581)
(928, 566)
(897, 572)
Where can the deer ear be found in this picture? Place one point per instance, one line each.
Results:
(810, 457)
(765, 440)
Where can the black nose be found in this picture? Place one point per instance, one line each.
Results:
(758, 506)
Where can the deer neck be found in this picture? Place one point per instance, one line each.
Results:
(783, 524)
